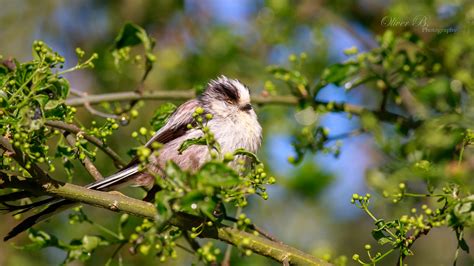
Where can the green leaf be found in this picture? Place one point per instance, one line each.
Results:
(52, 104)
(161, 116)
(217, 174)
(131, 35)
(384, 240)
(3, 70)
(61, 87)
(465, 208)
(192, 200)
(163, 206)
(41, 99)
(208, 207)
(63, 150)
(339, 74)
(463, 245)
(189, 142)
(248, 154)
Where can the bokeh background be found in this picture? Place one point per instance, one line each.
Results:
(309, 207)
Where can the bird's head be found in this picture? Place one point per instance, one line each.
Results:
(226, 97)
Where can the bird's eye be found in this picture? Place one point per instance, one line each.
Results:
(246, 107)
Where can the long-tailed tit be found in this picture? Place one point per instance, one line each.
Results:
(234, 125)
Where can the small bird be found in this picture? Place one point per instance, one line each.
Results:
(234, 125)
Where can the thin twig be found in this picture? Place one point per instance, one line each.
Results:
(116, 251)
(192, 242)
(119, 163)
(185, 248)
(352, 133)
(91, 109)
(255, 228)
(86, 162)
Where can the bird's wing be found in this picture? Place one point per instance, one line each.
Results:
(177, 123)
(174, 128)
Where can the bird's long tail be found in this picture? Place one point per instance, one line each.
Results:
(56, 206)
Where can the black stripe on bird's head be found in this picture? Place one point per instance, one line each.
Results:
(225, 89)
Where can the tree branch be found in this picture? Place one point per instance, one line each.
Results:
(182, 95)
(121, 203)
(176, 95)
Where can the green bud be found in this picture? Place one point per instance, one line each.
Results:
(156, 145)
(145, 152)
(199, 110)
(351, 51)
(291, 159)
(228, 156)
(143, 131)
(144, 249)
(271, 180)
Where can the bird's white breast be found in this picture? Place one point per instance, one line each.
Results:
(239, 131)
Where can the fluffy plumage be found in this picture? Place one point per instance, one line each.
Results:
(234, 126)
